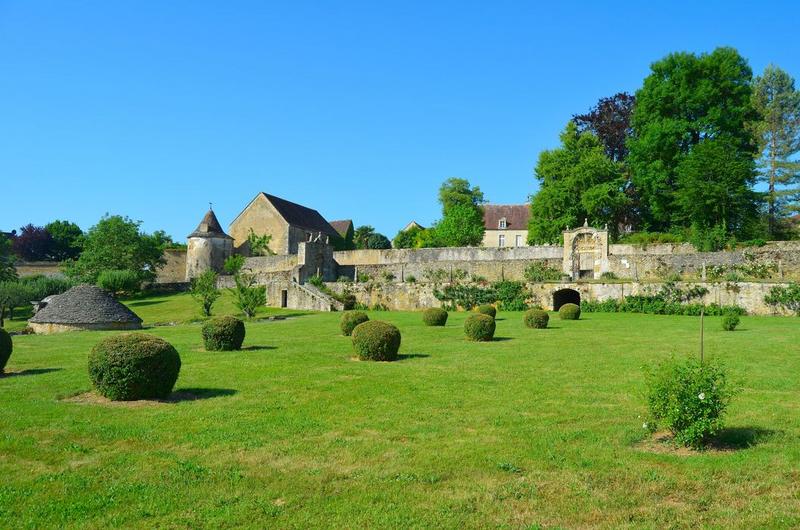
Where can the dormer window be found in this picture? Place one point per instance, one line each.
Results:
(502, 223)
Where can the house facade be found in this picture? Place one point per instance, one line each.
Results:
(506, 225)
(287, 222)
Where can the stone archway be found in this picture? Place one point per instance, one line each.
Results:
(565, 296)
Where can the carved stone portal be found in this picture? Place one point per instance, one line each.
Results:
(585, 252)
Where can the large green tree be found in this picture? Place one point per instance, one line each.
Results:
(577, 181)
(118, 243)
(362, 235)
(777, 102)
(67, 239)
(462, 216)
(689, 100)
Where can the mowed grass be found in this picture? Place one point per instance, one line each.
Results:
(536, 429)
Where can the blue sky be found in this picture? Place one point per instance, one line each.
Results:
(357, 109)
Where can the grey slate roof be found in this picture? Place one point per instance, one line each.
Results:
(84, 304)
(516, 216)
(342, 227)
(209, 227)
(300, 216)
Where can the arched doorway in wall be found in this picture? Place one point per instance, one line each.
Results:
(565, 296)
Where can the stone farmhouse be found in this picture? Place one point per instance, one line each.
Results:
(506, 225)
(305, 245)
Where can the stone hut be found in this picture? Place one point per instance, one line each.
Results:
(207, 247)
(84, 307)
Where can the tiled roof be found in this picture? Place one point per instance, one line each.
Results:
(516, 216)
(342, 227)
(300, 216)
(209, 227)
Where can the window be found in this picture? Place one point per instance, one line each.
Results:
(519, 241)
(501, 240)
(502, 223)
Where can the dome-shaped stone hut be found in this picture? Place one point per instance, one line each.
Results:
(84, 307)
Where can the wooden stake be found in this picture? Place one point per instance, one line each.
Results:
(702, 311)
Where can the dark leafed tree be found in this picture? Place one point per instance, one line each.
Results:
(34, 243)
(777, 102)
(610, 121)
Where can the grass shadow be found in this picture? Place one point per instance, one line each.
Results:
(259, 348)
(30, 371)
(194, 394)
(404, 356)
(501, 339)
(736, 438)
(142, 303)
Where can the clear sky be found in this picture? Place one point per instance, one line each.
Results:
(357, 109)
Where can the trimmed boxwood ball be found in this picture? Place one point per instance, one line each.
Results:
(569, 312)
(350, 319)
(729, 322)
(6, 346)
(134, 366)
(376, 341)
(223, 334)
(435, 316)
(536, 318)
(479, 327)
(487, 309)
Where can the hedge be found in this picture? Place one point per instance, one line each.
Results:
(479, 327)
(351, 319)
(376, 341)
(223, 334)
(434, 316)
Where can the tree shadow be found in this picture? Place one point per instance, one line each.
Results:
(735, 438)
(194, 394)
(404, 356)
(259, 348)
(501, 339)
(144, 303)
(30, 371)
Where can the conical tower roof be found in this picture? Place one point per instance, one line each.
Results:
(84, 304)
(209, 227)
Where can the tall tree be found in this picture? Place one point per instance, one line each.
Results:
(686, 100)
(361, 235)
(778, 104)
(33, 243)
(67, 240)
(455, 191)
(462, 216)
(610, 121)
(118, 243)
(577, 181)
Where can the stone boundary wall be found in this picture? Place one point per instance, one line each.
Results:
(174, 271)
(34, 268)
(415, 296)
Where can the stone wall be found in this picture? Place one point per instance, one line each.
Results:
(35, 268)
(174, 271)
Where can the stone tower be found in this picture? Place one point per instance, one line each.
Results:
(209, 247)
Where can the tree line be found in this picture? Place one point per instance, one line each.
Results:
(703, 152)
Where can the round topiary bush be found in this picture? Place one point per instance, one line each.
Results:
(479, 327)
(350, 319)
(376, 341)
(223, 334)
(729, 322)
(435, 316)
(569, 312)
(6, 346)
(536, 318)
(487, 309)
(134, 366)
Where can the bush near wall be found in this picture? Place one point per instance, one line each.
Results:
(350, 320)
(655, 305)
(569, 312)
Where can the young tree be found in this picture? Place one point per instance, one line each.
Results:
(361, 235)
(204, 290)
(259, 244)
(577, 181)
(67, 240)
(7, 270)
(33, 243)
(248, 296)
(13, 294)
(117, 243)
(777, 102)
(686, 100)
(610, 121)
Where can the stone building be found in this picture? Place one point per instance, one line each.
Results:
(288, 223)
(506, 225)
(207, 247)
(84, 307)
(346, 232)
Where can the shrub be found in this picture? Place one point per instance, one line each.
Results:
(411, 278)
(536, 318)
(729, 322)
(350, 320)
(479, 327)
(134, 366)
(204, 291)
(487, 309)
(689, 398)
(511, 295)
(316, 281)
(786, 297)
(434, 316)
(569, 312)
(541, 272)
(119, 281)
(6, 346)
(466, 296)
(223, 334)
(233, 264)
(608, 275)
(376, 341)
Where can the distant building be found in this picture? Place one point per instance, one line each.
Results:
(506, 225)
(346, 232)
(412, 224)
(9, 235)
(287, 222)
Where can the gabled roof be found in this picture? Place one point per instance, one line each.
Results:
(342, 227)
(84, 304)
(301, 216)
(412, 224)
(516, 216)
(209, 227)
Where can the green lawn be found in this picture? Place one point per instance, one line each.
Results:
(536, 429)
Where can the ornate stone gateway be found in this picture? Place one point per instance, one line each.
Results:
(585, 252)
